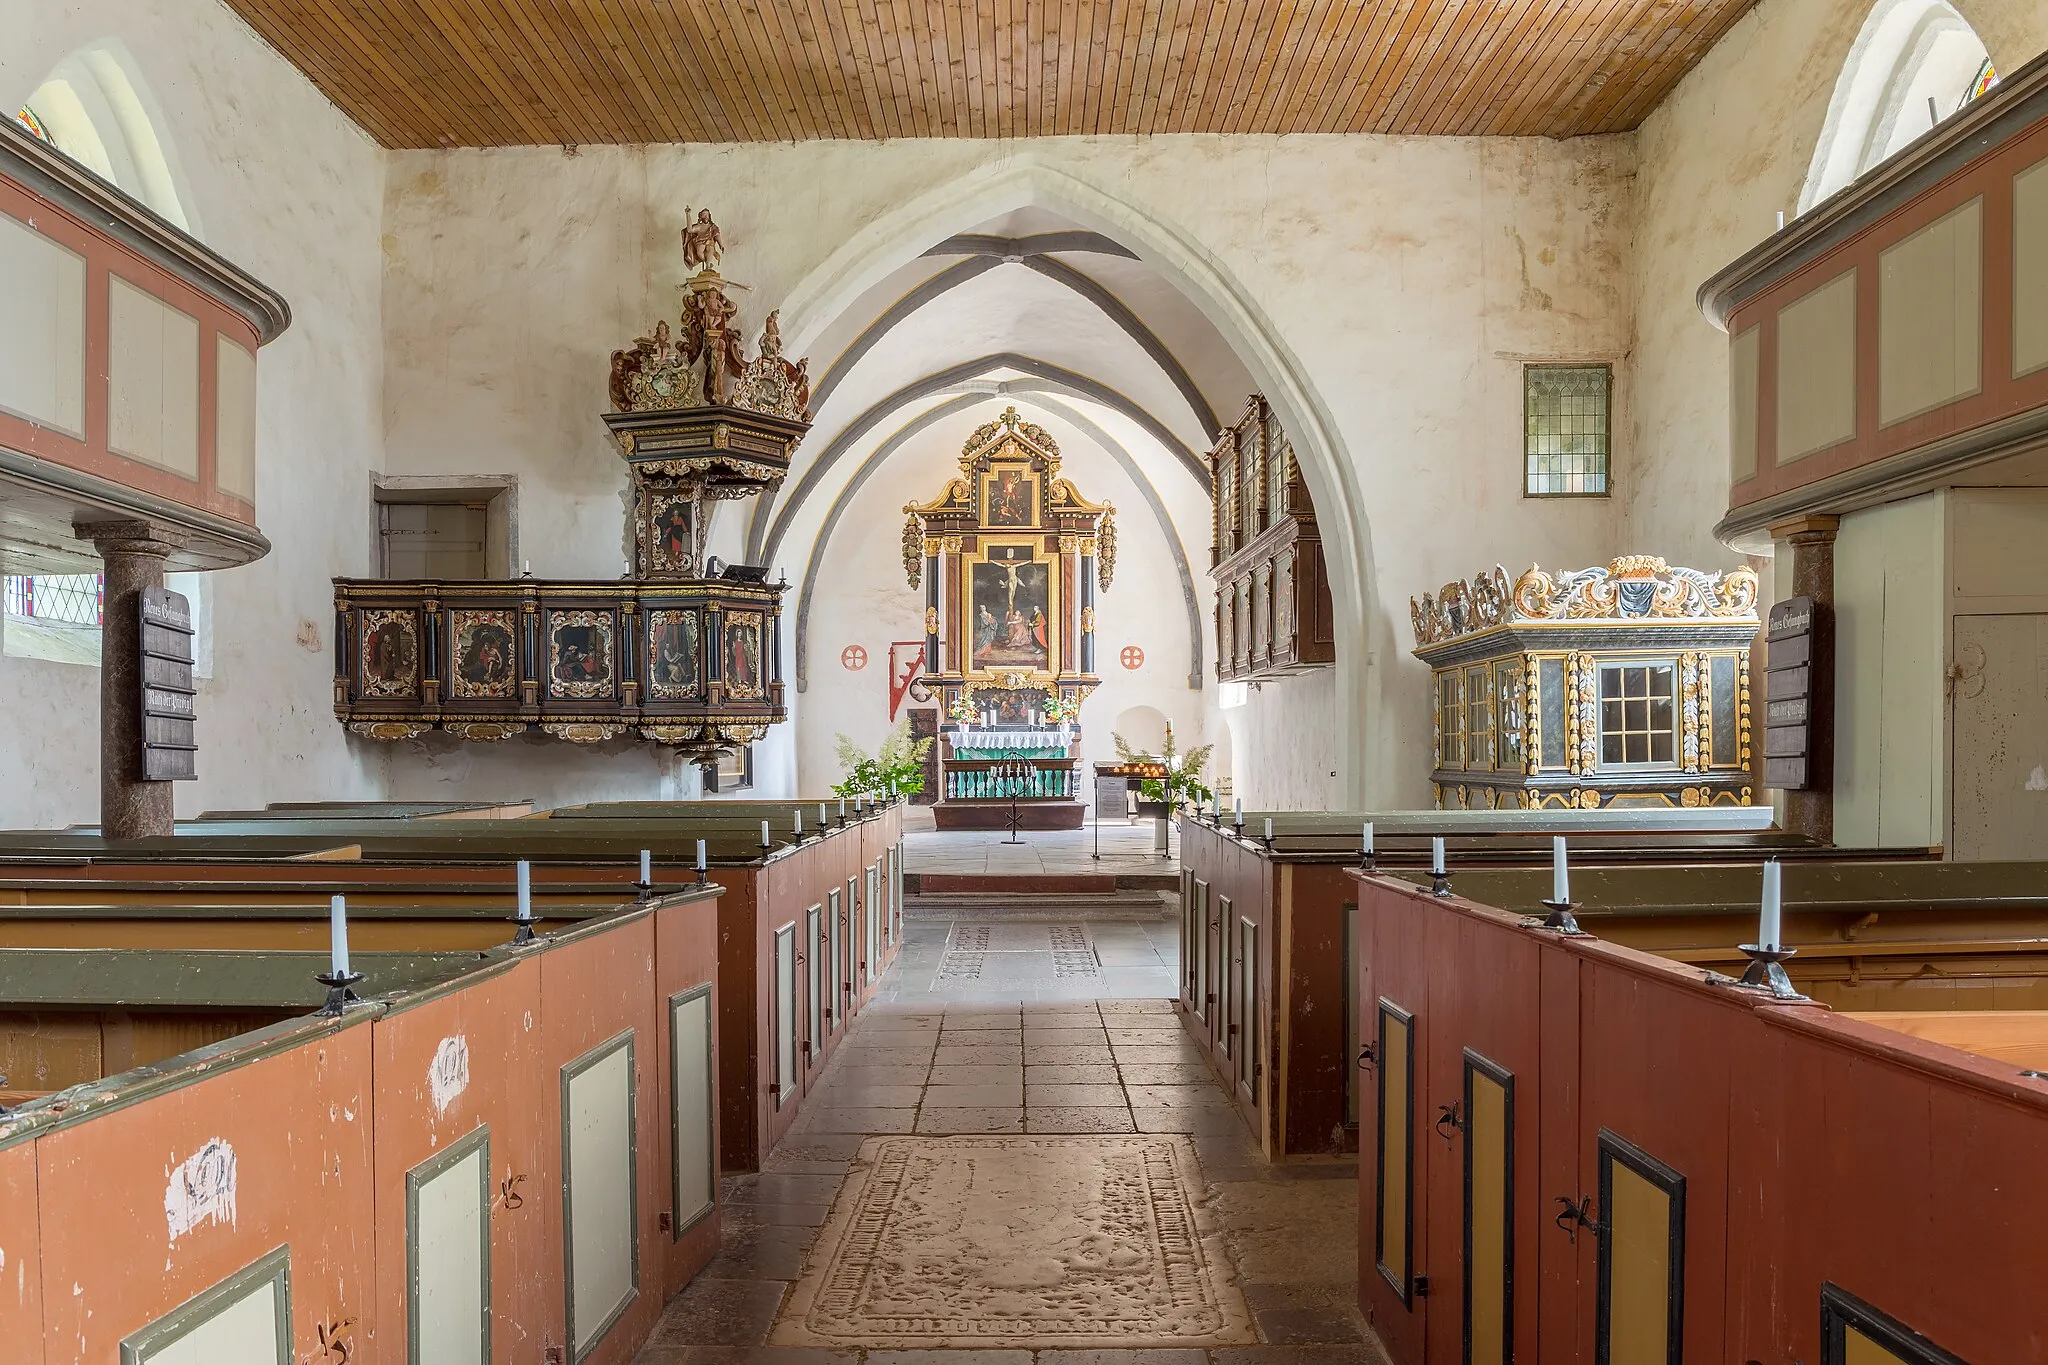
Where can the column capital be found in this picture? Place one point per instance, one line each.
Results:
(1813, 529)
(131, 536)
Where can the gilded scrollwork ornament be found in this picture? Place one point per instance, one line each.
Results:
(913, 550)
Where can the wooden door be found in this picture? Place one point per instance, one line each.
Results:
(1999, 714)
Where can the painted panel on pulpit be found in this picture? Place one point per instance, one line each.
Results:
(673, 670)
(1011, 610)
(390, 652)
(670, 517)
(580, 653)
(485, 665)
(743, 654)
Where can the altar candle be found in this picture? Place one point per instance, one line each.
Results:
(646, 868)
(1770, 927)
(765, 840)
(1436, 855)
(1560, 873)
(337, 912)
(1367, 845)
(1269, 829)
(700, 855)
(524, 873)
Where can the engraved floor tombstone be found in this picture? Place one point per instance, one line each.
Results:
(998, 1151)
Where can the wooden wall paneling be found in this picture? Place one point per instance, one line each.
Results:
(297, 1124)
(1565, 1264)
(592, 989)
(1311, 1085)
(1398, 976)
(1445, 1017)
(685, 957)
(445, 1066)
(21, 1289)
(1656, 1072)
(744, 1065)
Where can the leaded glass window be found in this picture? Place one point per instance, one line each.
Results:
(76, 599)
(1566, 429)
(1638, 715)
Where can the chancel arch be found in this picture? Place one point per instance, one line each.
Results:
(1029, 179)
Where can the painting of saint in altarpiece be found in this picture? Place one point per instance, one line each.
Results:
(1011, 609)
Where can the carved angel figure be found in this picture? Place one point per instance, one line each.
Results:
(702, 246)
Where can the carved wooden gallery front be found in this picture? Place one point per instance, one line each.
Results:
(1273, 613)
(682, 652)
(1010, 556)
(1626, 685)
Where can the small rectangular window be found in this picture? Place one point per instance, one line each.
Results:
(1566, 428)
(1638, 714)
(1450, 712)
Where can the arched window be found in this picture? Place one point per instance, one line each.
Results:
(96, 108)
(1914, 63)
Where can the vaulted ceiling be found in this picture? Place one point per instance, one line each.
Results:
(454, 73)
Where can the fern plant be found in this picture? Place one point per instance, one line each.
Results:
(896, 769)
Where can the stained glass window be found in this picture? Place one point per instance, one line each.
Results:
(27, 119)
(1987, 76)
(1566, 429)
(76, 599)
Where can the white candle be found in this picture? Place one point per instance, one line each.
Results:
(1770, 927)
(525, 875)
(1367, 845)
(824, 820)
(700, 855)
(1237, 806)
(337, 911)
(1216, 807)
(646, 867)
(765, 840)
(1436, 855)
(1560, 874)
(1269, 829)
(842, 810)
(798, 816)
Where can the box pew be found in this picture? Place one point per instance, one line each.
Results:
(806, 931)
(379, 810)
(524, 1139)
(1870, 936)
(1265, 930)
(1577, 1150)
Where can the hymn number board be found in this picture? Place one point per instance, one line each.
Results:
(1790, 696)
(168, 741)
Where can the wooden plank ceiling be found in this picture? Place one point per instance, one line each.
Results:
(452, 73)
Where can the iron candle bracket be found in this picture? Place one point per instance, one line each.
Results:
(1440, 882)
(1368, 861)
(339, 993)
(1367, 1057)
(1562, 919)
(1766, 971)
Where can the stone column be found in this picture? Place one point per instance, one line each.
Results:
(134, 552)
(1811, 813)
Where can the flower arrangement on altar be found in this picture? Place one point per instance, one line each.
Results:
(1062, 710)
(963, 708)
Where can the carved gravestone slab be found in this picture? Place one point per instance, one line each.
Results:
(1039, 1241)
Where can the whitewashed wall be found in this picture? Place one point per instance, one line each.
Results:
(1405, 280)
(292, 191)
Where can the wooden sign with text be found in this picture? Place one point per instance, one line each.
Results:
(168, 741)
(1791, 701)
